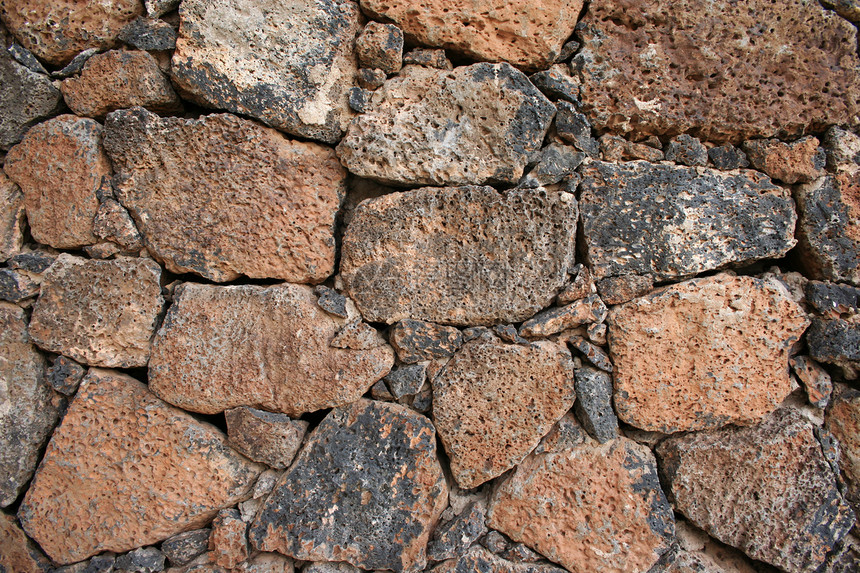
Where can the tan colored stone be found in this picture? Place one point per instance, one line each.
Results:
(843, 421)
(526, 35)
(229, 539)
(285, 362)
(221, 196)
(380, 46)
(56, 30)
(11, 218)
(704, 353)
(552, 321)
(113, 223)
(17, 553)
(272, 439)
(494, 402)
(800, 161)
(117, 80)
(721, 70)
(124, 470)
(60, 166)
(592, 507)
(460, 255)
(478, 558)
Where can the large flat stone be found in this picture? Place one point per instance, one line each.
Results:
(704, 353)
(289, 64)
(473, 125)
(461, 255)
(26, 99)
(376, 464)
(223, 197)
(124, 470)
(285, 362)
(722, 70)
(671, 221)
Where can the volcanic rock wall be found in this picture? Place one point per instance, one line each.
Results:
(450, 286)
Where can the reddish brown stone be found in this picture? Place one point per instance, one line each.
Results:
(493, 403)
(581, 286)
(589, 508)
(124, 469)
(416, 340)
(703, 353)
(17, 553)
(285, 362)
(552, 321)
(229, 539)
(800, 161)
(60, 166)
(11, 218)
(113, 223)
(816, 381)
(843, 421)
(272, 439)
(102, 313)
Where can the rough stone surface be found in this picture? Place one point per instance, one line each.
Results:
(56, 30)
(575, 128)
(842, 148)
(101, 313)
(125, 470)
(141, 560)
(623, 288)
(480, 559)
(557, 84)
(371, 78)
(294, 69)
(728, 157)
(816, 381)
(493, 403)
(463, 255)
(829, 228)
(272, 439)
(380, 46)
(593, 404)
(11, 219)
(406, 380)
(428, 58)
(183, 548)
(556, 163)
(473, 125)
(416, 340)
(28, 407)
(17, 553)
(27, 98)
(583, 311)
(331, 301)
(792, 517)
(223, 196)
(800, 161)
(120, 79)
(377, 463)
(687, 150)
(284, 364)
(229, 539)
(579, 287)
(149, 34)
(718, 70)
(157, 8)
(620, 519)
(113, 223)
(60, 166)
(843, 421)
(528, 36)
(451, 539)
(835, 341)
(65, 375)
(592, 353)
(832, 300)
(703, 353)
(672, 222)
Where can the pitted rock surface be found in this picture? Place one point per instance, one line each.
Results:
(672, 221)
(723, 70)
(377, 464)
(462, 255)
(265, 437)
(589, 508)
(478, 558)
(27, 98)
(552, 321)
(56, 30)
(835, 341)
(380, 46)
(791, 518)
(222, 196)
(11, 218)
(494, 401)
(473, 125)
(124, 469)
(526, 35)
(843, 421)
(61, 166)
(101, 313)
(416, 340)
(288, 64)
(285, 362)
(799, 161)
(704, 353)
(17, 553)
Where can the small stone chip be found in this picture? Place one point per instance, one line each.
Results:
(407, 379)
(728, 157)
(584, 311)
(380, 46)
(183, 548)
(452, 539)
(816, 380)
(593, 404)
(686, 150)
(65, 375)
(141, 560)
(416, 340)
(574, 127)
(265, 437)
(800, 161)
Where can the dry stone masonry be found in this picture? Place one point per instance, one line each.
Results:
(333, 286)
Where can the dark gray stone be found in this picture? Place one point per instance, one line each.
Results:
(406, 380)
(36, 261)
(65, 375)
(416, 340)
(567, 51)
(842, 148)
(556, 163)
(429, 58)
(16, 286)
(359, 99)
(834, 342)
(331, 301)
(520, 553)
(26, 58)
(423, 400)
(181, 549)
(623, 288)
(453, 538)
(574, 127)
(829, 298)
(592, 353)
(101, 564)
(76, 65)
(728, 157)
(27, 98)
(149, 34)
(142, 560)
(686, 150)
(508, 333)
(479, 559)
(495, 542)
(593, 404)
(556, 84)
(371, 78)
(380, 391)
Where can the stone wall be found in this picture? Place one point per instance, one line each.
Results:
(450, 286)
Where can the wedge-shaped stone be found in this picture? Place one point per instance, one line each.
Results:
(124, 470)
(791, 517)
(11, 218)
(17, 553)
(460, 255)
(264, 347)
(704, 353)
(376, 464)
(28, 97)
(670, 221)
(289, 64)
(223, 197)
(473, 125)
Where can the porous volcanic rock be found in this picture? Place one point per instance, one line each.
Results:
(472, 125)
(222, 196)
(113, 223)
(101, 313)
(265, 437)
(704, 353)
(416, 340)
(182, 548)
(835, 341)
(289, 64)
(843, 421)
(478, 558)
(494, 401)
(285, 362)
(462, 255)
(27, 98)
(120, 79)
(28, 407)
(124, 469)
(377, 464)
(552, 321)
(620, 519)
(722, 70)
(380, 46)
(671, 221)
(229, 539)
(800, 161)
(791, 518)
(60, 166)
(17, 553)
(11, 218)
(56, 30)
(526, 35)
(149, 34)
